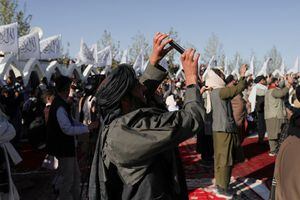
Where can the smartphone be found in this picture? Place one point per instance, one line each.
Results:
(176, 46)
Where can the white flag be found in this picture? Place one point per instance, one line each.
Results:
(118, 56)
(210, 62)
(208, 67)
(29, 46)
(264, 68)
(144, 67)
(235, 72)
(125, 59)
(282, 68)
(226, 68)
(139, 63)
(94, 50)
(280, 71)
(9, 38)
(51, 47)
(295, 69)
(250, 71)
(85, 55)
(105, 58)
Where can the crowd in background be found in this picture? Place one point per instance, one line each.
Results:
(261, 104)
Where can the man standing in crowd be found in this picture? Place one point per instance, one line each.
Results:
(61, 132)
(12, 100)
(137, 155)
(257, 101)
(275, 113)
(226, 141)
(204, 144)
(238, 108)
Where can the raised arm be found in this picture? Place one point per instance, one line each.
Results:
(154, 73)
(281, 93)
(230, 92)
(153, 77)
(156, 132)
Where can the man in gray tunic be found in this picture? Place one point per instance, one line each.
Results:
(226, 141)
(275, 112)
(136, 155)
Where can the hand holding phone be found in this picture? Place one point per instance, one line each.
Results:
(160, 41)
(176, 46)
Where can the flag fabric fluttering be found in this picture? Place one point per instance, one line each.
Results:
(118, 56)
(94, 50)
(250, 71)
(144, 67)
(85, 55)
(105, 59)
(51, 47)
(264, 68)
(29, 46)
(236, 70)
(295, 69)
(211, 61)
(226, 67)
(208, 67)
(125, 58)
(282, 68)
(280, 71)
(139, 63)
(9, 38)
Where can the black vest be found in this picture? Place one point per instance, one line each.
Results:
(59, 144)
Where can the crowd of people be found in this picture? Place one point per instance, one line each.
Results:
(128, 128)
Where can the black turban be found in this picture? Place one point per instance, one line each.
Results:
(62, 83)
(119, 82)
(259, 78)
(229, 79)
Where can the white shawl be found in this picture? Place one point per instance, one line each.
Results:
(252, 96)
(212, 80)
(7, 133)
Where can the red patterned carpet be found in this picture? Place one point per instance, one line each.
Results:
(251, 179)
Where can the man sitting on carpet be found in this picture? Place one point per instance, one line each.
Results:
(136, 156)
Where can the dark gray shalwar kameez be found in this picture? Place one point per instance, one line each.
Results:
(137, 157)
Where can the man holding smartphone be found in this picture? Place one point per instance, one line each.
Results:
(137, 155)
